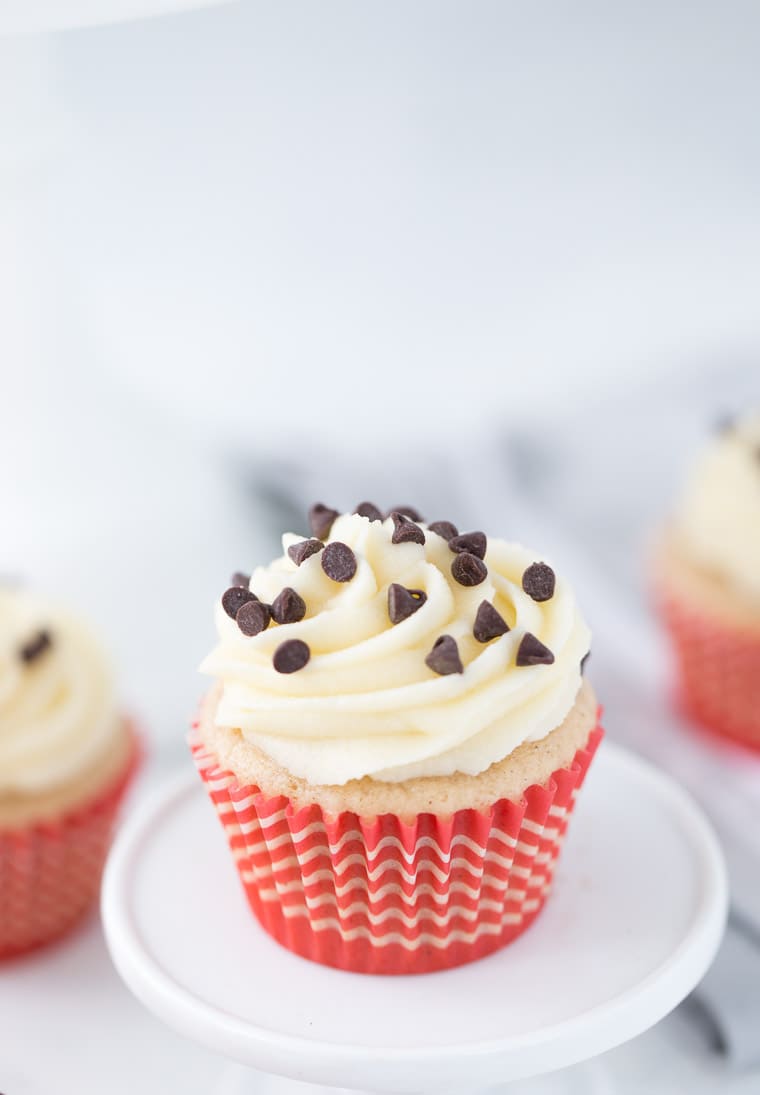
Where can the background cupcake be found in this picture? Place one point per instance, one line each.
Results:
(396, 737)
(708, 584)
(66, 755)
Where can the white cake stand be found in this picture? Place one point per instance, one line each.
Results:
(636, 916)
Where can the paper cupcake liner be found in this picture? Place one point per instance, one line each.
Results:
(718, 669)
(50, 872)
(382, 895)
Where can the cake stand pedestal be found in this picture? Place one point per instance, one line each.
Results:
(634, 920)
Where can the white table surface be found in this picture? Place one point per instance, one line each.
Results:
(70, 1026)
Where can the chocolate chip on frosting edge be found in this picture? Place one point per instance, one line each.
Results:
(539, 581)
(321, 520)
(35, 646)
(532, 651)
(405, 531)
(234, 598)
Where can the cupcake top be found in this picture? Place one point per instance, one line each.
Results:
(717, 522)
(57, 704)
(391, 648)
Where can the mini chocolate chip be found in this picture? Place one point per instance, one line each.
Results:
(291, 656)
(339, 562)
(468, 569)
(405, 531)
(253, 617)
(367, 509)
(35, 647)
(240, 579)
(234, 598)
(304, 549)
(406, 511)
(474, 542)
(584, 661)
(444, 658)
(489, 623)
(288, 607)
(538, 582)
(403, 602)
(532, 651)
(321, 520)
(444, 529)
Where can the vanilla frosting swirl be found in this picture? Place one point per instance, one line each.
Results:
(366, 704)
(58, 708)
(718, 519)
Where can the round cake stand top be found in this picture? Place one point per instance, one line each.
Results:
(634, 920)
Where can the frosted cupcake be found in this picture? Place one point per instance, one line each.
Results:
(65, 759)
(708, 584)
(395, 739)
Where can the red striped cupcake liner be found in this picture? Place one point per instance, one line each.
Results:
(717, 668)
(381, 895)
(50, 871)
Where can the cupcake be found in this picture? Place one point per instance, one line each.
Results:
(707, 582)
(66, 756)
(395, 738)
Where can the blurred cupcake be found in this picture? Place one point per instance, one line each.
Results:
(708, 584)
(65, 759)
(395, 740)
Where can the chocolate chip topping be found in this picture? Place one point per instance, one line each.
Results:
(405, 531)
(403, 602)
(321, 519)
(474, 542)
(240, 579)
(367, 509)
(532, 651)
(444, 529)
(253, 617)
(406, 511)
(234, 598)
(304, 549)
(291, 656)
(444, 658)
(288, 607)
(584, 661)
(489, 623)
(339, 562)
(468, 569)
(538, 582)
(35, 647)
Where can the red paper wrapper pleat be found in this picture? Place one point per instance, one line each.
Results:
(382, 895)
(718, 669)
(50, 872)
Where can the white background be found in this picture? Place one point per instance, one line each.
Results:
(334, 237)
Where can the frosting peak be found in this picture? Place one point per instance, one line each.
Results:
(428, 652)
